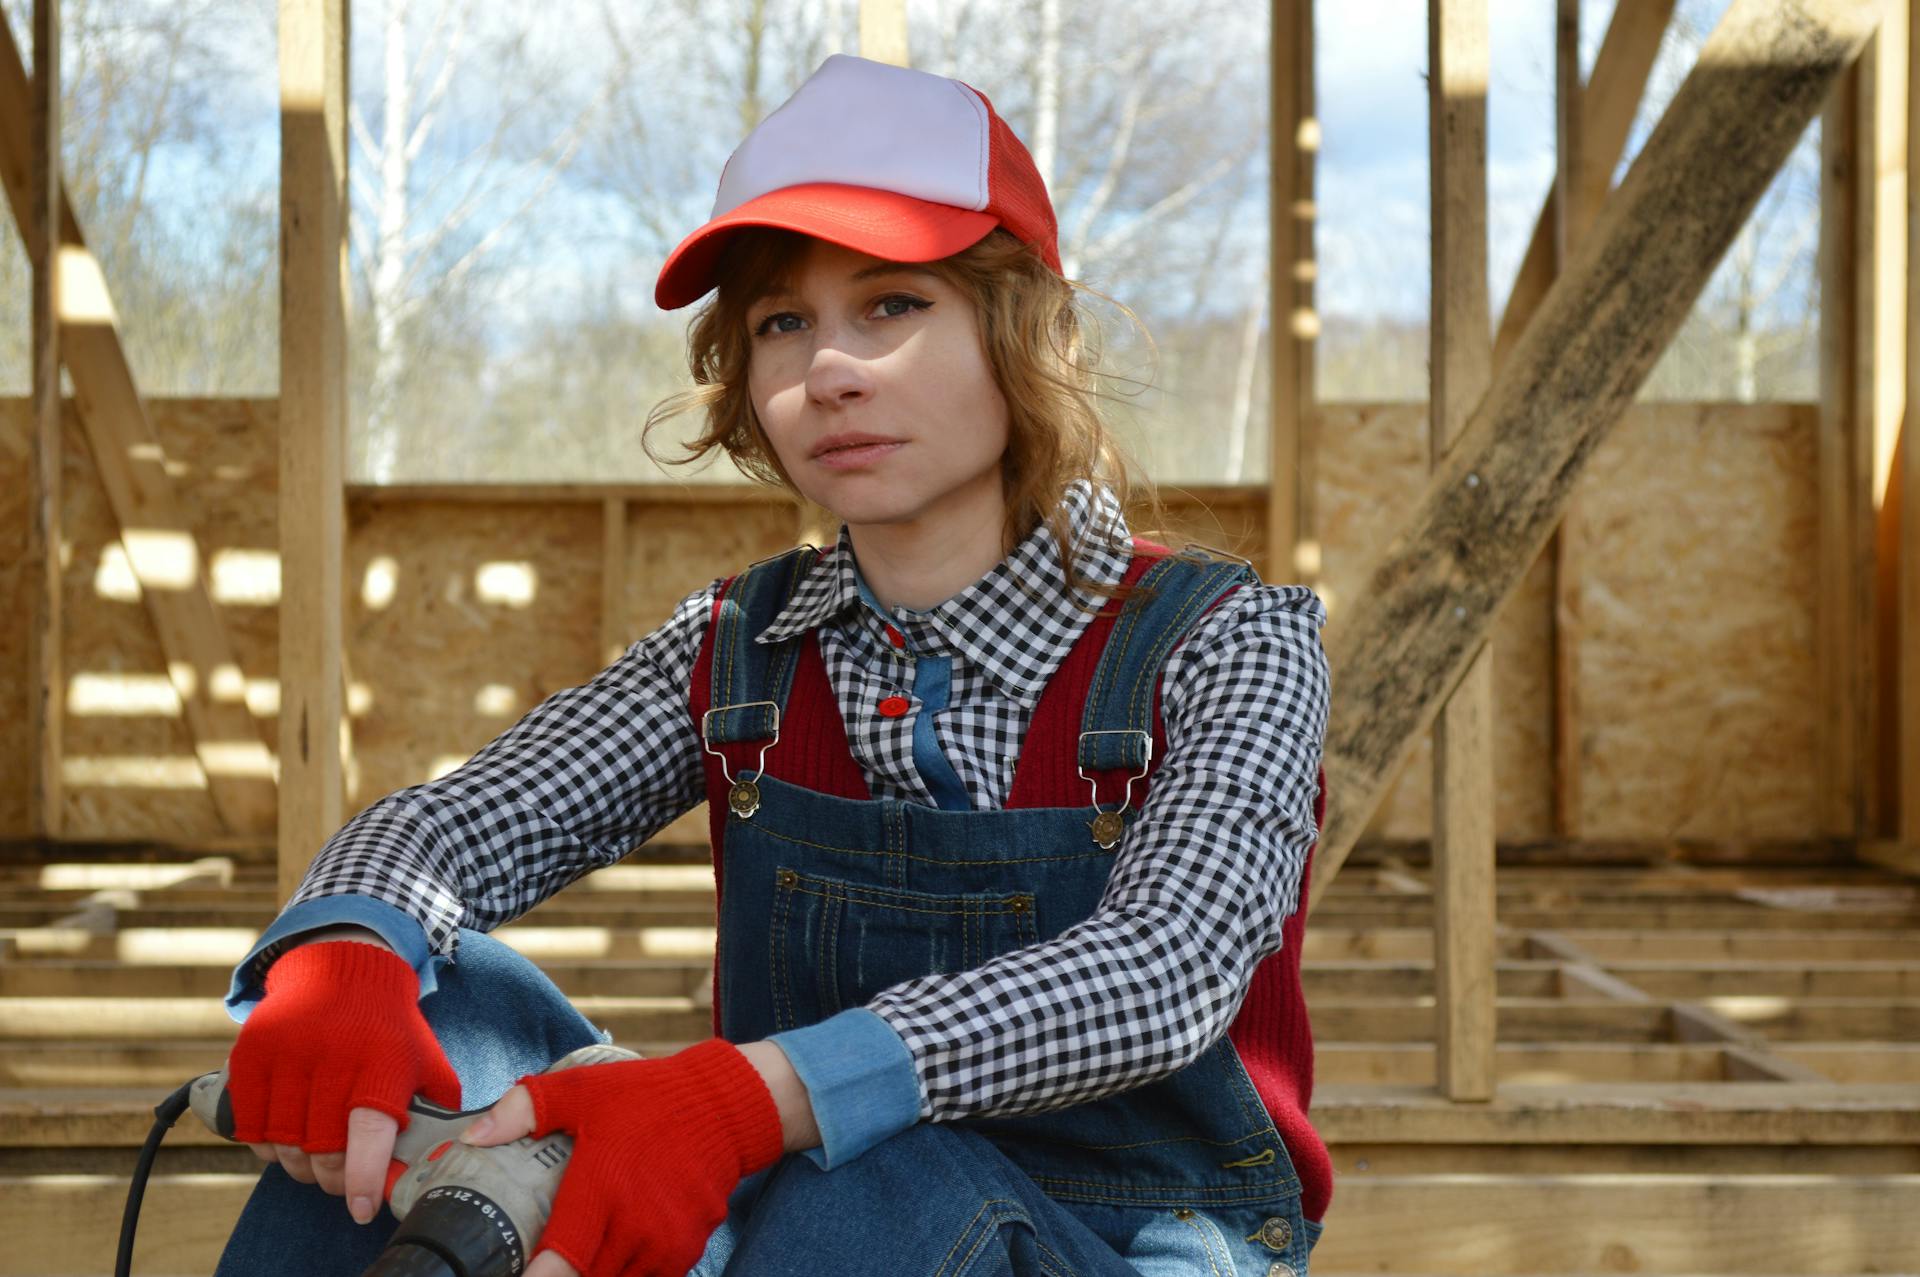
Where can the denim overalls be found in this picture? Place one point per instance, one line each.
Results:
(826, 900)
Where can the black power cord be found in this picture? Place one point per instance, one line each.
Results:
(165, 1114)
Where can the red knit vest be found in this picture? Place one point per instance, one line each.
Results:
(1271, 1031)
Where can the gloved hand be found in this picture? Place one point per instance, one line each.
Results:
(339, 1028)
(659, 1146)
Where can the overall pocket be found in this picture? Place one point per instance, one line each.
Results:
(834, 944)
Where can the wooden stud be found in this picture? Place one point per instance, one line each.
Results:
(1293, 550)
(1904, 488)
(1461, 363)
(1879, 392)
(1844, 485)
(1572, 214)
(45, 530)
(1404, 643)
(313, 413)
(1607, 111)
(161, 542)
(613, 579)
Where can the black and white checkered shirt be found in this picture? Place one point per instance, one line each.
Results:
(1195, 899)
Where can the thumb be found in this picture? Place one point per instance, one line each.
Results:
(510, 1117)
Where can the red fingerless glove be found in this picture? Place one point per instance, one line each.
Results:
(339, 1028)
(659, 1146)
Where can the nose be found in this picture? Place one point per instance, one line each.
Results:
(837, 378)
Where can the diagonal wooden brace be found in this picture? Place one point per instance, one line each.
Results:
(126, 451)
(1428, 604)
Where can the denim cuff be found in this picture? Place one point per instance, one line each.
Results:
(397, 927)
(860, 1079)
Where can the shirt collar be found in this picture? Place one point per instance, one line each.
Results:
(1025, 593)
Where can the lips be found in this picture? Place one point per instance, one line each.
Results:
(848, 441)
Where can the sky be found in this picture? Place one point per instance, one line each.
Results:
(1371, 176)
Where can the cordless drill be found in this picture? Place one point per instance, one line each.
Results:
(464, 1211)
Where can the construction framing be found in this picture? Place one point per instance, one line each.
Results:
(1588, 1016)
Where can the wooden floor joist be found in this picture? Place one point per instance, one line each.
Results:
(1600, 1097)
(1404, 643)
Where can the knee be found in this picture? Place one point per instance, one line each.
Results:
(930, 1196)
(499, 1017)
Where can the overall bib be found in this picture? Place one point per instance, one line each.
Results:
(827, 896)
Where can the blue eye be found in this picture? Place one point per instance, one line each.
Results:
(911, 303)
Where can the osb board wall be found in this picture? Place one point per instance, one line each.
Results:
(1373, 466)
(1695, 543)
(1695, 664)
(16, 738)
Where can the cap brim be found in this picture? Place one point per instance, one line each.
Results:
(885, 224)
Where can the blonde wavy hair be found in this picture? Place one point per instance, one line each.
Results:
(1036, 339)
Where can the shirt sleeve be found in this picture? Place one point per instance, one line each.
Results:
(583, 778)
(1197, 896)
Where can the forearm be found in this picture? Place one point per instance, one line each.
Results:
(346, 932)
(798, 1130)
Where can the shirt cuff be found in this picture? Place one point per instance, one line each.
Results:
(398, 928)
(860, 1080)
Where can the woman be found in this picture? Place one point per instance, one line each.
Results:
(1011, 813)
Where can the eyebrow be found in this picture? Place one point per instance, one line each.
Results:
(871, 272)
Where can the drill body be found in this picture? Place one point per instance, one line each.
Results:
(464, 1211)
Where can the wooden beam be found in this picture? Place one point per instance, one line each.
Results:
(1607, 111)
(313, 414)
(613, 579)
(1879, 393)
(1904, 489)
(1461, 365)
(1574, 202)
(1293, 548)
(1403, 644)
(1843, 479)
(160, 540)
(1671, 1223)
(46, 675)
(1617, 1113)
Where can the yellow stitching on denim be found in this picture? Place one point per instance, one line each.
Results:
(1206, 1242)
(1264, 1157)
(1094, 1183)
(961, 912)
(937, 860)
(1268, 1129)
(1251, 1195)
(980, 1239)
(1050, 1263)
(777, 951)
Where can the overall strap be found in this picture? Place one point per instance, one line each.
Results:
(746, 688)
(1117, 725)
(1093, 690)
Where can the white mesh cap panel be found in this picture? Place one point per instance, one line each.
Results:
(930, 142)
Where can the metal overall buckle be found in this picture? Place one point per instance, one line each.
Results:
(743, 795)
(1107, 826)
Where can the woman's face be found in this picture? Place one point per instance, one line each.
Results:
(872, 385)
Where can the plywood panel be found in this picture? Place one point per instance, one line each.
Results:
(1697, 663)
(130, 765)
(1373, 465)
(492, 609)
(1697, 670)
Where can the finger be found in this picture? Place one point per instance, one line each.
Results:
(370, 1137)
(548, 1263)
(264, 1152)
(328, 1171)
(296, 1162)
(509, 1119)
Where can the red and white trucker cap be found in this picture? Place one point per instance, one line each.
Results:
(883, 159)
